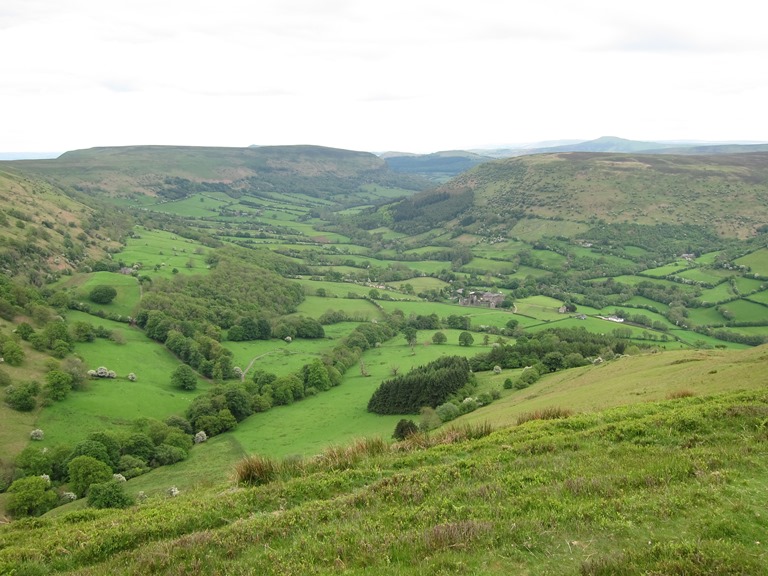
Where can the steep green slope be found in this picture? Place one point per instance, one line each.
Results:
(664, 488)
(725, 193)
(44, 232)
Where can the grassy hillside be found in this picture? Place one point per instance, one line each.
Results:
(725, 192)
(672, 487)
(174, 172)
(44, 232)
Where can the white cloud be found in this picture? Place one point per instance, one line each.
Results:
(409, 75)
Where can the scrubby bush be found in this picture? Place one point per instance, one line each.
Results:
(448, 411)
(166, 454)
(468, 405)
(31, 496)
(23, 396)
(404, 428)
(132, 377)
(36, 434)
(102, 294)
(184, 377)
(429, 419)
(92, 448)
(132, 466)
(201, 437)
(109, 494)
(12, 353)
(57, 384)
(85, 471)
(180, 423)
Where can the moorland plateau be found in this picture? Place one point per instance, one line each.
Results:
(304, 360)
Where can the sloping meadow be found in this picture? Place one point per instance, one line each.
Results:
(657, 488)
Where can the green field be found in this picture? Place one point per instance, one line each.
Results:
(705, 275)
(720, 293)
(541, 307)
(642, 301)
(668, 270)
(706, 316)
(114, 403)
(749, 285)
(757, 261)
(127, 287)
(746, 311)
(761, 297)
(165, 250)
(315, 306)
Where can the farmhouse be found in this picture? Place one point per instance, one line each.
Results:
(487, 299)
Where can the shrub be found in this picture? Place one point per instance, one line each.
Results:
(58, 384)
(497, 369)
(180, 423)
(468, 405)
(166, 454)
(102, 294)
(429, 419)
(36, 434)
(109, 494)
(92, 448)
(132, 466)
(448, 411)
(485, 398)
(13, 354)
(22, 397)
(184, 377)
(201, 437)
(404, 428)
(86, 470)
(508, 384)
(31, 496)
(132, 377)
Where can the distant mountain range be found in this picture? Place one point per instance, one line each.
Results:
(441, 166)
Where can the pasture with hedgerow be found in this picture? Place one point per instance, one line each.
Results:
(545, 364)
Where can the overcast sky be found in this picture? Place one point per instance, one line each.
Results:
(407, 75)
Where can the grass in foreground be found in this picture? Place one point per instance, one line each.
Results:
(675, 487)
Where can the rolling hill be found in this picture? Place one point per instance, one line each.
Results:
(725, 193)
(175, 171)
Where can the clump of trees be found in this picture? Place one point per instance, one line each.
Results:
(551, 350)
(428, 385)
(96, 467)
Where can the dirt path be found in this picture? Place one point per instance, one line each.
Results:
(250, 365)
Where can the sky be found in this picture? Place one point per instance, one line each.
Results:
(405, 75)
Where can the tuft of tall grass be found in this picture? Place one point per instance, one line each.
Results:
(256, 469)
(549, 413)
(455, 534)
(450, 435)
(677, 394)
